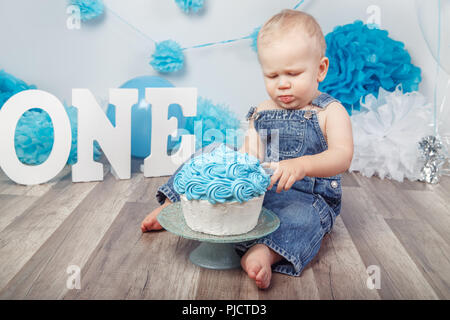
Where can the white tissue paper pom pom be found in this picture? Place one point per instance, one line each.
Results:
(386, 134)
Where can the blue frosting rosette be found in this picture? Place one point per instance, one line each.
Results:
(223, 175)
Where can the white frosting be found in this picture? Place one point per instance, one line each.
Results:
(229, 218)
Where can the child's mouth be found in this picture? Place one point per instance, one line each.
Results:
(286, 99)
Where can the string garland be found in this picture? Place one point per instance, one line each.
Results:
(168, 55)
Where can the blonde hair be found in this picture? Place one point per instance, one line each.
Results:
(293, 20)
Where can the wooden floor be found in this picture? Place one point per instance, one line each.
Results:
(403, 228)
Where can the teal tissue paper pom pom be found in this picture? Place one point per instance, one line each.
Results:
(190, 5)
(363, 59)
(212, 116)
(34, 137)
(10, 85)
(254, 37)
(168, 57)
(89, 9)
(72, 112)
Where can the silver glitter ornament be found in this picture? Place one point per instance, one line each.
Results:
(434, 157)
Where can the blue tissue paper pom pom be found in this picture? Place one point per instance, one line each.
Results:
(89, 9)
(254, 37)
(168, 57)
(34, 137)
(10, 85)
(72, 113)
(362, 60)
(212, 116)
(190, 5)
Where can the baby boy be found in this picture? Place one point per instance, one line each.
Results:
(300, 133)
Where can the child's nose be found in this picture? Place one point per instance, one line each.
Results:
(284, 83)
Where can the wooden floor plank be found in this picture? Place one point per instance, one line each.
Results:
(130, 265)
(402, 227)
(428, 250)
(23, 237)
(12, 206)
(12, 188)
(443, 187)
(393, 200)
(378, 245)
(44, 275)
(235, 284)
(349, 180)
(146, 191)
(339, 271)
(225, 284)
(432, 209)
(285, 287)
(407, 184)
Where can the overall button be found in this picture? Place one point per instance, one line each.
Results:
(308, 114)
(334, 184)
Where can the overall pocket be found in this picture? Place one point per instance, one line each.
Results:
(330, 189)
(284, 137)
(326, 214)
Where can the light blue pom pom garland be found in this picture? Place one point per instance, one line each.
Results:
(89, 9)
(254, 37)
(168, 57)
(362, 60)
(190, 5)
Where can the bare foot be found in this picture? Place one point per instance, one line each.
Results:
(257, 262)
(150, 222)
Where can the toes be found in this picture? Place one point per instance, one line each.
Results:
(144, 225)
(147, 225)
(150, 225)
(263, 278)
(144, 228)
(252, 269)
(262, 285)
(261, 275)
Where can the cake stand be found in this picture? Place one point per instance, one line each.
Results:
(215, 252)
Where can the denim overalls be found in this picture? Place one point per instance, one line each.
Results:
(307, 210)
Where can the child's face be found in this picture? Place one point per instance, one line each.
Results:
(292, 70)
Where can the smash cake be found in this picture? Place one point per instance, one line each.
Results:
(222, 192)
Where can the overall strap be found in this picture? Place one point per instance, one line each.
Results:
(250, 113)
(323, 100)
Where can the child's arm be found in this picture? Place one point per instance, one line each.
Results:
(252, 143)
(336, 159)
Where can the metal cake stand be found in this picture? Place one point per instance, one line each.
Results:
(215, 252)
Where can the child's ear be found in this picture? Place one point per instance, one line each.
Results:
(323, 69)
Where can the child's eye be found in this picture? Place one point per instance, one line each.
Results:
(294, 73)
(272, 76)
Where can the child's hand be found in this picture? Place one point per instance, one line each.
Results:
(288, 171)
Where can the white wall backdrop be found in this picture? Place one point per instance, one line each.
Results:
(37, 47)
